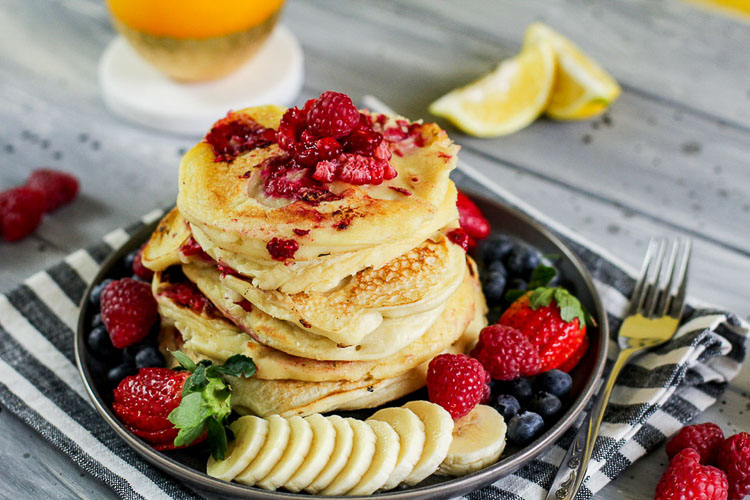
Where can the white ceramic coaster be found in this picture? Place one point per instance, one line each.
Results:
(139, 92)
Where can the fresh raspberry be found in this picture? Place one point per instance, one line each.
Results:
(139, 269)
(687, 478)
(128, 311)
(236, 134)
(506, 353)
(460, 238)
(333, 114)
(358, 170)
(733, 456)
(58, 188)
(456, 382)
(21, 211)
(325, 171)
(471, 219)
(704, 438)
(281, 249)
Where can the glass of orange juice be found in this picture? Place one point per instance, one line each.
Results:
(195, 40)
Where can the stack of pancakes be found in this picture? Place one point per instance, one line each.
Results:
(372, 290)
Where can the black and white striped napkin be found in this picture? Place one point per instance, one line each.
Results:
(654, 396)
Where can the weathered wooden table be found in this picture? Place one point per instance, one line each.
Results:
(671, 157)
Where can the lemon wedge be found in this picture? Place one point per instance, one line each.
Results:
(582, 88)
(506, 100)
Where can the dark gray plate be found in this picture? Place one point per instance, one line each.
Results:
(189, 465)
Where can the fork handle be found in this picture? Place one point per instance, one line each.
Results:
(572, 470)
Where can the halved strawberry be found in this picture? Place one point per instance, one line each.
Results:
(140, 419)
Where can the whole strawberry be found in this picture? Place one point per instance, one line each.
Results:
(553, 320)
(144, 401)
(21, 211)
(456, 382)
(471, 219)
(506, 353)
(128, 311)
(686, 478)
(58, 188)
(733, 457)
(704, 438)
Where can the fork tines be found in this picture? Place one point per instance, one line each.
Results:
(661, 286)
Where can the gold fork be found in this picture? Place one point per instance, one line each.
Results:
(652, 317)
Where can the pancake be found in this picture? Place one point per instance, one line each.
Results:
(225, 202)
(315, 275)
(391, 336)
(326, 271)
(214, 337)
(418, 281)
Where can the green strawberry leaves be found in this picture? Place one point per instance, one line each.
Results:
(539, 277)
(205, 404)
(570, 307)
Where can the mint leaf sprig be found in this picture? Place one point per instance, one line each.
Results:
(206, 400)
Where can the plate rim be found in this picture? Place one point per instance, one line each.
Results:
(449, 488)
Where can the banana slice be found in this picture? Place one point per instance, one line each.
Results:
(359, 461)
(323, 442)
(383, 461)
(339, 457)
(249, 435)
(295, 453)
(410, 430)
(438, 427)
(478, 441)
(269, 454)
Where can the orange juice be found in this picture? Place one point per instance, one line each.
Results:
(195, 40)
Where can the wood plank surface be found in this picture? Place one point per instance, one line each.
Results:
(670, 158)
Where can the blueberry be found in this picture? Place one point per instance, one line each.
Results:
(129, 353)
(96, 292)
(497, 266)
(494, 288)
(119, 372)
(507, 406)
(496, 247)
(101, 345)
(96, 320)
(524, 427)
(149, 356)
(519, 388)
(518, 284)
(130, 259)
(522, 261)
(545, 404)
(555, 382)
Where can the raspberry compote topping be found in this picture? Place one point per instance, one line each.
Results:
(281, 249)
(460, 238)
(327, 140)
(236, 134)
(191, 248)
(187, 295)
